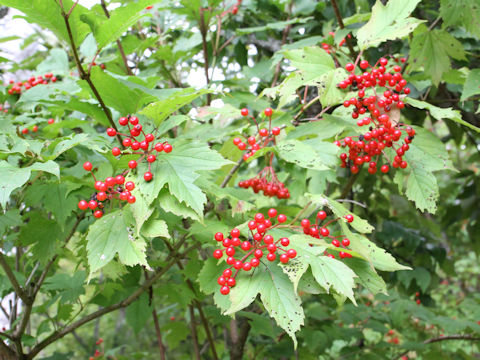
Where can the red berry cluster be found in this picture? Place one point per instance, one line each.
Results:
(132, 141)
(267, 182)
(102, 66)
(4, 109)
(111, 188)
(253, 247)
(261, 139)
(97, 352)
(317, 230)
(384, 131)
(19, 87)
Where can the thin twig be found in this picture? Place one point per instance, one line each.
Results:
(13, 280)
(203, 32)
(231, 173)
(193, 329)
(353, 53)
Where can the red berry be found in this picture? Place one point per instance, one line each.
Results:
(87, 166)
(272, 213)
(35, 128)
(159, 147)
(50, 121)
(123, 121)
(271, 257)
(111, 132)
(221, 279)
(231, 282)
(133, 120)
(151, 158)
(110, 181)
(276, 131)
(292, 253)
(101, 196)
(148, 176)
(224, 290)
(263, 132)
(116, 151)
(83, 205)
(119, 179)
(227, 272)
(129, 186)
(324, 231)
(98, 214)
(321, 215)
(345, 242)
(92, 204)
(349, 218)
(235, 10)
(384, 169)
(349, 67)
(305, 223)
(217, 254)
(281, 218)
(268, 112)
(131, 199)
(167, 148)
(132, 164)
(284, 258)
(364, 64)
(244, 111)
(235, 233)
(149, 138)
(259, 218)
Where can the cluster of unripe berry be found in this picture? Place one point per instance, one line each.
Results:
(19, 87)
(384, 131)
(261, 139)
(34, 128)
(267, 182)
(111, 188)
(246, 254)
(144, 146)
(317, 230)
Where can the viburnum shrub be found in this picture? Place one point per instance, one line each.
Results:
(196, 165)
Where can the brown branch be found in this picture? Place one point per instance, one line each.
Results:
(231, 173)
(6, 353)
(13, 280)
(193, 329)
(161, 347)
(119, 44)
(353, 53)
(349, 185)
(86, 76)
(124, 303)
(443, 338)
(238, 340)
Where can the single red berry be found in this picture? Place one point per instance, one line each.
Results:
(324, 231)
(167, 148)
(384, 169)
(349, 218)
(116, 151)
(98, 213)
(101, 196)
(335, 243)
(248, 266)
(227, 272)
(272, 213)
(151, 158)
(221, 279)
(217, 254)
(132, 164)
(268, 239)
(110, 181)
(149, 137)
(321, 215)
(235, 10)
(263, 132)
(284, 241)
(127, 142)
(281, 218)
(364, 64)
(83, 205)
(268, 111)
(50, 121)
(224, 290)
(276, 131)
(111, 132)
(133, 120)
(235, 233)
(305, 223)
(255, 262)
(87, 166)
(219, 236)
(159, 147)
(148, 176)
(129, 186)
(291, 253)
(345, 242)
(258, 253)
(123, 121)
(35, 128)
(284, 258)
(259, 218)
(92, 204)
(131, 199)
(271, 257)
(244, 111)
(119, 179)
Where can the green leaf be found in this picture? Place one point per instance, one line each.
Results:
(207, 277)
(422, 188)
(246, 290)
(155, 228)
(10, 218)
(328, 126)
(160, 110)
(179, 169)
(367, 276)
(312, 61)
(328, 91)
(69, 287)
(464, 13)
(138, 313)
(303, 155)
(112, 234)
(170, 204)
(472, 85)
(329, 273)
(388, 22)
(12, 177)
(281, 302)
(48, 15)
(431, 51)
(56, 62)
(440, 113)
(120, 20)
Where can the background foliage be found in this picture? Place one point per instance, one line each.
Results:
(186, 68)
